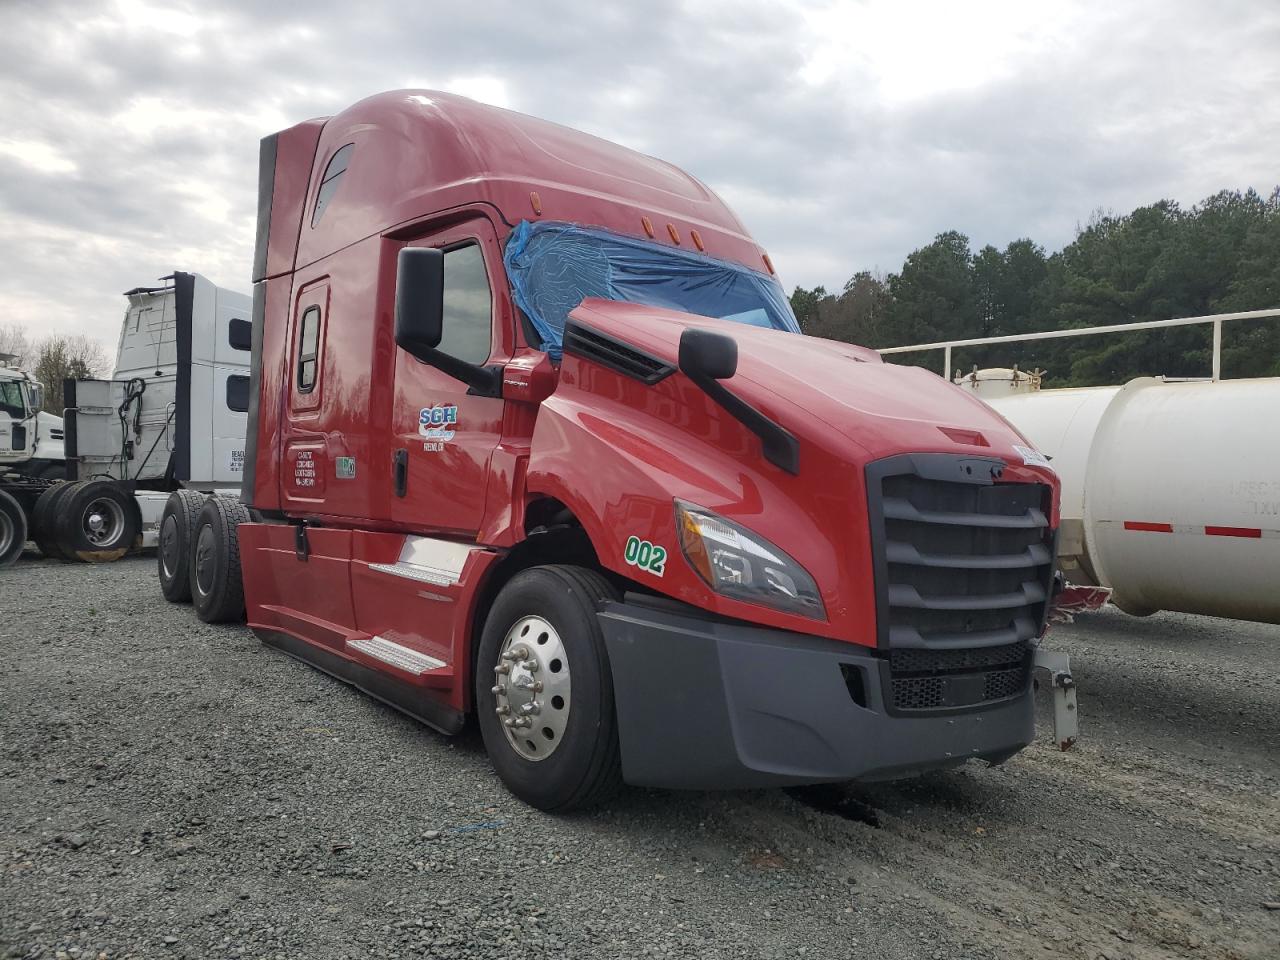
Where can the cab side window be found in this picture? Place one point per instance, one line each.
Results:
(468, 305)
(329, 182)
(11, 399)
(308, 348)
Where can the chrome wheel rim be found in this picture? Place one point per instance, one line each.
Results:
(7, 532)
(102, 522)
(532, 688)
(205, 560)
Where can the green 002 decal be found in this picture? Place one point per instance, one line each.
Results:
(645, 555)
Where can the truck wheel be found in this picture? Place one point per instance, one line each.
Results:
(42, 520)
(544, 693)
(13, 529)
(97, 522)
(173, 551)
(217, 591)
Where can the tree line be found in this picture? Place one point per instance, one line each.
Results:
(53, 359)
(1160, 261)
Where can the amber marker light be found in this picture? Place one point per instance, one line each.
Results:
(697, 240)
(648, 227)
(695, 550)
(768, 263)
(675, 234)
(536, 202)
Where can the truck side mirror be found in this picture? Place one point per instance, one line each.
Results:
(706, 358)
(707, 354)
(420, 301)
(420, 320)
(37, 397)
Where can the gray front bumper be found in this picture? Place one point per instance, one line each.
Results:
(707, 704)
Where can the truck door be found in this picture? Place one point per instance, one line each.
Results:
(442, 437)
(15, 437)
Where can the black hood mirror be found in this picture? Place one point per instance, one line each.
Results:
(705, 353)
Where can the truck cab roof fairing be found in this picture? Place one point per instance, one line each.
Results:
(464, 152)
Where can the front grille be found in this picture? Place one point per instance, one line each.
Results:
(922, 679)
(951, 661)
(964, 571)
(918, 693)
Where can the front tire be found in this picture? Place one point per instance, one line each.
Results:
(544, 691)
(217, 588)
(173, 551)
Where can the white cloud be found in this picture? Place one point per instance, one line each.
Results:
(40, 157)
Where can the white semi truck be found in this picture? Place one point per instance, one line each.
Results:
(31, 453)
(171, 417)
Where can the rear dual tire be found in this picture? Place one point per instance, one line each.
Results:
(217, 586)
(567, 756)
(173, 549)
(95, 521)
(91, 521)
(42, 516)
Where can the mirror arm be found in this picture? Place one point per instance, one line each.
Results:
(781, 448)
(483, 381)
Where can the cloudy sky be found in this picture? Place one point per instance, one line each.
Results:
(845, 134)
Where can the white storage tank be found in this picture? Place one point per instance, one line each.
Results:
(1171, 490)
(1062, 424)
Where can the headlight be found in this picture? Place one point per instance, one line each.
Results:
(738, 564)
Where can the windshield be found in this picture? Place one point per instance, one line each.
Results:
(553, 267)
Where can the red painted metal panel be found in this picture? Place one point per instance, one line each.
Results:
(295, 150)
(309, 598)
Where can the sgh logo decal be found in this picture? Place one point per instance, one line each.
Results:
(436, 425)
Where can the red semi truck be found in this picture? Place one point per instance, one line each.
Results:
(534, 435)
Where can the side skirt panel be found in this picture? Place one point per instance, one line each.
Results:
(395, 693)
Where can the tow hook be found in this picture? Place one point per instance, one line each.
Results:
(1066, 720)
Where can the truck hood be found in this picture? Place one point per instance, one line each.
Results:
(817, 387)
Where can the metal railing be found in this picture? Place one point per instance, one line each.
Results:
(1217, 319)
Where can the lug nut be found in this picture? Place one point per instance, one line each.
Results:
(502, 711)
(498, 690)
(530, 665)
(522, 722)
(502, 668)
(530, 709)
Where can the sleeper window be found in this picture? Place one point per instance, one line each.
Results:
(468, 305)
(308, 347)
(238, 393)
(329, 182)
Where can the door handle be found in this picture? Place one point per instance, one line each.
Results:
(401, 471)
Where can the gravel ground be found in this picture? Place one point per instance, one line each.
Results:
(170, 789)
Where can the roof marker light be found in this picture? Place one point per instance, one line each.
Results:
(648, 226)
(697, 239)
(536, 201)
(675, 234)
(768, 263)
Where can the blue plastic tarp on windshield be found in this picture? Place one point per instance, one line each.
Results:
(553, 267)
